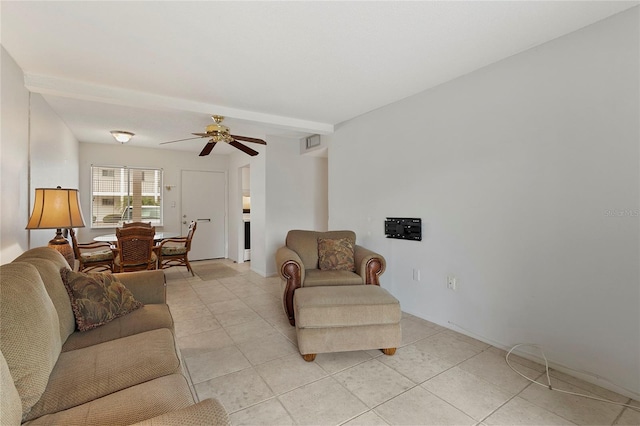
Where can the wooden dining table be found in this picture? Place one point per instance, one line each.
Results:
(159, 236)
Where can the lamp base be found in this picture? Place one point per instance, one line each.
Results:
(60, 244)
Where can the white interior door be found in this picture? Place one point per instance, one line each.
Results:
(204, 199)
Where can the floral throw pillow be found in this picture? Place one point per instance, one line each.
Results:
(336, 254)
(97, 298)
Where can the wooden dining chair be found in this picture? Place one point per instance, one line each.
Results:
(175, 251)
(127, 225)
(92, 256)
(135, 249)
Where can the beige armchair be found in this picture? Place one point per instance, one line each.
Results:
(301, 263)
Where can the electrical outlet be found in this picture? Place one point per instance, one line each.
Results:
(452, 283)
(416, 274)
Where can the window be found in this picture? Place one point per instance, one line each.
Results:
(125, 194)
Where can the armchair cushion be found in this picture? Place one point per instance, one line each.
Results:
(97, 256)
(97, 298)
(173, 250)
(317, 277)
(153, 261)
(336, 254)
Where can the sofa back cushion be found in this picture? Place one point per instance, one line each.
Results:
(305, 243)
(10, 404)
(43, 253)
(50, 274)
(29, 330)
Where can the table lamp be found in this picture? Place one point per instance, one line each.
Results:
(57, 208)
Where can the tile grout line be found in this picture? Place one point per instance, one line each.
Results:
(264, 287)
(615, 421)
(277, 396)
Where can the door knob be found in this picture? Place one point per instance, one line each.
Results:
(184, 222)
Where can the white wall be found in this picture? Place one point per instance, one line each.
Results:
(296, 194)
(526, 175)
(236, 227)
(14, 159)
(38, 151)
(282, 198)
(259, 197)
(288, 191)
(172, 163)
(54, 158)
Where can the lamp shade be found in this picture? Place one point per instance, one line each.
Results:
(56, 208)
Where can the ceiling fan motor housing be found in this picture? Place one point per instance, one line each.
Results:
(217, 128)
(219, 133)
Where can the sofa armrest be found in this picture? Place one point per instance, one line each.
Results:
(207, 412)
(369, 265)
(291, 270)
(146, 286)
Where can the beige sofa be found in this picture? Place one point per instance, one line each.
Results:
(127, 371)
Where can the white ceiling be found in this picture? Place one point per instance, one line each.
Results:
(161, 68)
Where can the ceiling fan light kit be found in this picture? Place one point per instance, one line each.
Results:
(219, 133)
(122, 136)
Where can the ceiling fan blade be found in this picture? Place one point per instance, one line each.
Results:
(243, 148)
(179, 140)
(248, 139)
(207, 148)
(202, 135)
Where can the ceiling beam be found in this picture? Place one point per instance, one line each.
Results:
(47, 85)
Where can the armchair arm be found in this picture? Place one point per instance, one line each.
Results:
(146, 286)
(369, 265)
(291, 271)
(181, 240)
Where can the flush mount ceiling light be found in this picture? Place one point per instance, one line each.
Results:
(122, 136)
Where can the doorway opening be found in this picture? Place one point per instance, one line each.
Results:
(246, 211)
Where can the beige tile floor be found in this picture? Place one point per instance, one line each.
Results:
(238, 347)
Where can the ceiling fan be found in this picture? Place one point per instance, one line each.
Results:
(219, 133)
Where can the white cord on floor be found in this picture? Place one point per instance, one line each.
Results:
(548, 384)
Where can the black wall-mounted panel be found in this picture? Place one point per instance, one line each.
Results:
(403, 228)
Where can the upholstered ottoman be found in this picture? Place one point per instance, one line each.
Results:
(346, 318)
